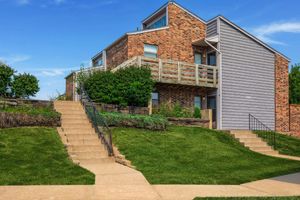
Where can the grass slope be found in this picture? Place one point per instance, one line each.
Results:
(286, 144)
(249, 198)
(184, 155)
(36, 156)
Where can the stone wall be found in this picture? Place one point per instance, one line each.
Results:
(9, 120)
(282, 109)
(189, 122)
(124, 110)
(295, 118)
(69, 87)
(117, 53)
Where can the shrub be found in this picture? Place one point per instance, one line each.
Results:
(25, 85)
(6, 74)
(130, 86)
(137, 121)
(197, 113)
(176, 110)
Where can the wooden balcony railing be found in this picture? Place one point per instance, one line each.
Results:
(175, 72)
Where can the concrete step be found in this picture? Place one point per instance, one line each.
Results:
(259, 149)
(94, 161)
(84, 142)
(73, 112)
(256, 145)
(246, 140)
(80, 123)
(81, 129)
(82, 137)
(88, 156)
(242, 136)
(85, 148)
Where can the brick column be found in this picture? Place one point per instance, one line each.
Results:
(282, 110)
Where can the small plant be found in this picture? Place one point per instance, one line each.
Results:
(153, 122)
(197, 112)
(176, 110)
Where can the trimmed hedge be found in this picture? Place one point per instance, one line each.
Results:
(136, 121)
(130, 86)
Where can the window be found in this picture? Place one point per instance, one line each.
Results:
(150, 51)
(212, 59)
(155, 99)
(198, 58)
(197, 102)
(98, 62)
(161, 22)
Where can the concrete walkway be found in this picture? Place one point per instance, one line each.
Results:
(116, 188)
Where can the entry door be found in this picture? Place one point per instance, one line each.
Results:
(212, 104)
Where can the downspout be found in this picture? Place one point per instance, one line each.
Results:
(219, 108)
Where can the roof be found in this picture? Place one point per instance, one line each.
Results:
(200, 19)
(248, 34)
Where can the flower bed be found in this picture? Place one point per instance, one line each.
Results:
(136, 121)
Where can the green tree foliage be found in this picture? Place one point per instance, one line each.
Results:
(25, 85)
(131, 86)
(294, 78)
(6, 74)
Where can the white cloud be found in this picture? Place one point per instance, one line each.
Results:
(23, 2)
(15, 59)
(53, 72)
(59, 1)
(266, 32)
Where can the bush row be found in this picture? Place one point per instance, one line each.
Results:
(136, 121)
(177, 110)
(130, 86)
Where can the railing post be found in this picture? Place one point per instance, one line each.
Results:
(197, 74)
(215, 76)
(159, 70)
(139, 61)
(179, 72)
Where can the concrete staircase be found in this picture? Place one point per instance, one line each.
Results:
(78, 135)
(253, 142)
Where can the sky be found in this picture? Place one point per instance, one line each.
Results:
(50, 38)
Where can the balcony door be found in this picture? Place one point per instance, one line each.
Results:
(212, 59)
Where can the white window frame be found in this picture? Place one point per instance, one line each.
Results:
(149, 52)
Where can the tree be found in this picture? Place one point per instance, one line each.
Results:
(294, 79)
(6, 74)
(25, 85)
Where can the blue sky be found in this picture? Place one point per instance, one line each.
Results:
(49, 38)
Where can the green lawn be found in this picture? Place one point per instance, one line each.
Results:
(36, 156)
(250, 198)
(286, 144)
(184, 155)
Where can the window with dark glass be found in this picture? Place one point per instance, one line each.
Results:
(150, 51)
(212, 59)
(198, 58)
(161, 22)
(197, 102)
(155, 98)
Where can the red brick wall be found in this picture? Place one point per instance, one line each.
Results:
(117, 53)
(295, 118)
(282, 111)
(174, 43)
(184, 95)
(69, 87)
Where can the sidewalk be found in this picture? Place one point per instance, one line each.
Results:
(127, 184)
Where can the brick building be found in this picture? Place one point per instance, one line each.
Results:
(212, 64)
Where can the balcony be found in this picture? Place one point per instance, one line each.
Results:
(175, 72)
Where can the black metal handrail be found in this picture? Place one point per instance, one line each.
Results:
(264, 131)
(99, 123)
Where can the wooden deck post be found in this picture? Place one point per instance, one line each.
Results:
(159, 69)
(215, 76)
(197, 74)
(139, 61)
(179, 72)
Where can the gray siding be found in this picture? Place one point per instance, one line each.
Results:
(212, 28)
(248, 71)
